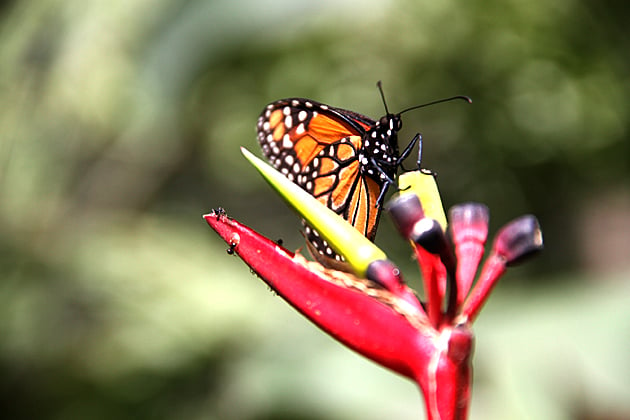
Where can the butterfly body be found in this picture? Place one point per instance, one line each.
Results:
(344, 159)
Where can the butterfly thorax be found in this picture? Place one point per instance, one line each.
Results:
(379, 149)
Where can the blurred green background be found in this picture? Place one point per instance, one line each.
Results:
(120, 124)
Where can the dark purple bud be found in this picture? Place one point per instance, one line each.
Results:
(405, 210)
(519, 239)
(385, 273)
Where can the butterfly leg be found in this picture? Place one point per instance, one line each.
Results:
(387, 181)
(416, 139)
(381, 196)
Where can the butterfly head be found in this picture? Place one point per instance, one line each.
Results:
(393, 122)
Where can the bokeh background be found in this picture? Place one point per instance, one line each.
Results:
(120, 125)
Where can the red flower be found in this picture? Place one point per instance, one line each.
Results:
(377, 314)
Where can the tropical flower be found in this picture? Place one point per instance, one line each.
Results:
(372, 310)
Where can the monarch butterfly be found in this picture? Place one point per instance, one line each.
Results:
(344, 159)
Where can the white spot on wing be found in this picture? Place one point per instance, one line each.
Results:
(286, 141)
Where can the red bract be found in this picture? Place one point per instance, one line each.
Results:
(430, 343)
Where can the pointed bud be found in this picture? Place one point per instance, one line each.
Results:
(341, 235)
(423, 185)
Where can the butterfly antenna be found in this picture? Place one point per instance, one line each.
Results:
(439, 101)
(380, 89)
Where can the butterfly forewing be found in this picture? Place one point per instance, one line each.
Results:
(301, 128)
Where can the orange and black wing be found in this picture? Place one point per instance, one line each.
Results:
(317, 147)
(293, 131)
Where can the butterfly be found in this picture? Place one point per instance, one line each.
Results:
(344, 159)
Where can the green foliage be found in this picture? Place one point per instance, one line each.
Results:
(121, 124)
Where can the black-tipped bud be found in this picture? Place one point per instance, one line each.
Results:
(519, 239)
(406, 211)
(429, 235)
